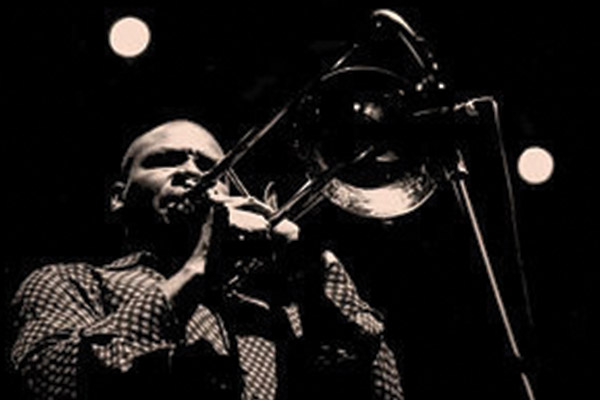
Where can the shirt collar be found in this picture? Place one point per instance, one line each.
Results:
(136, 258)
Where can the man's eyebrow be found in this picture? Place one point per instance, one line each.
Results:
(161, 155)
(158, 152)
(199, 154)
(203, 161)
(162, 150)
(176, 152)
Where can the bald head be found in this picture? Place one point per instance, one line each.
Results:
(176, 134)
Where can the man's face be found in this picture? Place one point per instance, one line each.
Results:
(164, 165)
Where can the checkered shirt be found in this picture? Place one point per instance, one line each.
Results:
(120, 314)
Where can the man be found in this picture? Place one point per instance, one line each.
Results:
(163, 320)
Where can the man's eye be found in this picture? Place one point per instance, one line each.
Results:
(164, 160)
(204, 163)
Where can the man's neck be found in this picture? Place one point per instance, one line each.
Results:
(171, 245)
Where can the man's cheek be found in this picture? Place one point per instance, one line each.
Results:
(140, 195)
(152, 181)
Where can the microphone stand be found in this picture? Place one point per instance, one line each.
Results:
(458, 178)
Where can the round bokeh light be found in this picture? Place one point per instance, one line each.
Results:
(129, 37)
(535, 165)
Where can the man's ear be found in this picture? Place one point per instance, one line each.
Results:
(117, 200)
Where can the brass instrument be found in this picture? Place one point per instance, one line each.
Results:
(358, 116)
(370, 133)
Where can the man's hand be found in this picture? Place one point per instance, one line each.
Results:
(245, 217)
(247, 214)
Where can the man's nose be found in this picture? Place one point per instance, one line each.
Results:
(187, 174)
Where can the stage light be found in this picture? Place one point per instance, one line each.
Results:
(535, 165)
(129, 37)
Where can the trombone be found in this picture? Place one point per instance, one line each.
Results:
(388, 79)
(356, 116)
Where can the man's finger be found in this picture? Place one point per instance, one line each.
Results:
(241, 202)
(289, 230)
(248, 221)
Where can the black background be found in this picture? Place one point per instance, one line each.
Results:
(70, 106)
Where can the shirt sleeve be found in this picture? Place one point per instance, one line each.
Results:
(61, 317)
(385, 378)
(340, 290)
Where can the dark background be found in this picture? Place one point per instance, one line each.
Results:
(71, 105)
